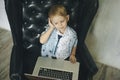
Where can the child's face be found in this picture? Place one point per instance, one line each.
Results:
(60, 22)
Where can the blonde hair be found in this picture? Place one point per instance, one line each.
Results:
(57, 10)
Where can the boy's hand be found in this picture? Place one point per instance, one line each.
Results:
(72, 59)
(50, 23)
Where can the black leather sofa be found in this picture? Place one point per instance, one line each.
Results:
(27, 19)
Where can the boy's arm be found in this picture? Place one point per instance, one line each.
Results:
(73, 51)
(72, 56)
(45, 36)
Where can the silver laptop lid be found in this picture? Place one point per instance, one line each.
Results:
(57, 64)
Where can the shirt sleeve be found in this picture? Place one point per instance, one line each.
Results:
(75, 43)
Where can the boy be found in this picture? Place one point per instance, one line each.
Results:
(59, 40)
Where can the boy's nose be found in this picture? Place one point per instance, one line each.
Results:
(60, 24)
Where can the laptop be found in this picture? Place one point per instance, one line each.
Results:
(54, 69)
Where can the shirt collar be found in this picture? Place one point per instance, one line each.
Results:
(65, 33)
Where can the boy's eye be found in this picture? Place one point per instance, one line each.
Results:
(62, 21)
(55, 23)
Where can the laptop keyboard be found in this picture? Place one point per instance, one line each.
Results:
(57, 74)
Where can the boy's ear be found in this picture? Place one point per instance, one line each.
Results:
(67, 17)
